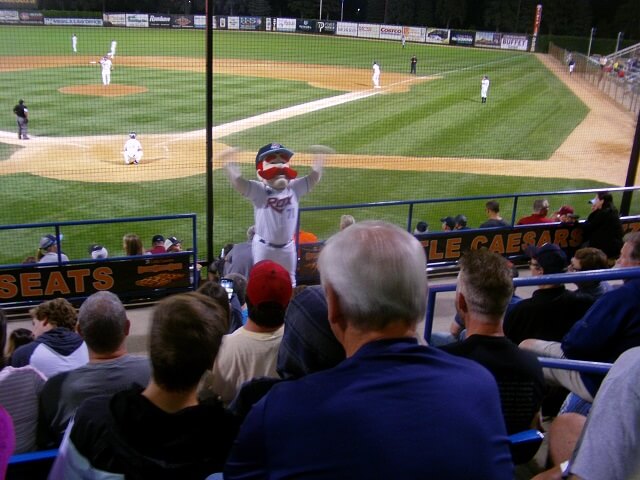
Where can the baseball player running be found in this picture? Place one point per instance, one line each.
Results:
(375, 78)
(107, 65)
(132, 150)
(275, 197)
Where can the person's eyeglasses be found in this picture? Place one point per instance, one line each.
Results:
(534, 265)
(572, 268)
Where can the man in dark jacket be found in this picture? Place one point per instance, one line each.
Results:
(552, 309)
(603, 228)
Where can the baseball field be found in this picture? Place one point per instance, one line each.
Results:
(419, 136)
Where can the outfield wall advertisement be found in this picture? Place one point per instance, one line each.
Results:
(137, 20)
(347, 29)
(415, 34)
(253, 23)
(437, 35)
(515, 42)
(366, 30)
(286, 24)
(390, 32)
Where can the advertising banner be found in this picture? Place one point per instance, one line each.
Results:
(84, 22)
(366, 30)
(488, 39)
(286, 24)
(303, 25)
(159, 21)
(31, 18)
(137, 20)
(200, 21)
(515, 42)
(181, 21)
(233, 23)
(33, 4)
(114, 19)
(460, 38)
(414, 34)
(9, 16)
(251, 23)
(326, 27)
(347, 29)
(221, 23)
(437, 35)
(390, 32)
(130, 276)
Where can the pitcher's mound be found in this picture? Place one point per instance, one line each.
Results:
(103, 90)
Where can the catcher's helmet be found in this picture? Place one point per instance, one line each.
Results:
(132, 135)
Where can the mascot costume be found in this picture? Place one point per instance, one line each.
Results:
(275, 197)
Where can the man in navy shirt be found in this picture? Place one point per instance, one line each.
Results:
(392, 408)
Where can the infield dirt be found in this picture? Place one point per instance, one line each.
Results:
(598, 149)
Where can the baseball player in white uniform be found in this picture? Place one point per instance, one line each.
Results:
(132, 151)
(107, 65)
(74, 43)
(275, 199)
(376, 75)
(112, 50)
(484, 88)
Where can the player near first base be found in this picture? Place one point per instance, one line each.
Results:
(275, 197)
(375, 77)
(132, 150)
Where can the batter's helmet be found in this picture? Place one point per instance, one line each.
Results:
(132, 135)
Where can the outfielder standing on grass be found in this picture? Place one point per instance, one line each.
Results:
(74, 43)
(275, 199)
(484, 88)
(22, 117)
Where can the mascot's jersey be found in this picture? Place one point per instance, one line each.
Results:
(276, 211)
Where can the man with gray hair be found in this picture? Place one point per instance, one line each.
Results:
(104, 326)
(539, 215)
(375, 411)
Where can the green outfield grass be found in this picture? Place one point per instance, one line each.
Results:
(53, 199)
(528, 116)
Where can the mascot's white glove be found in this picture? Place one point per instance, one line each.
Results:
(320, 153)
(228, 158)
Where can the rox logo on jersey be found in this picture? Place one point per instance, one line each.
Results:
(279, 204)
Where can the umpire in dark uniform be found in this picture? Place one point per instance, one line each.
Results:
(22, 116)
(414, 64)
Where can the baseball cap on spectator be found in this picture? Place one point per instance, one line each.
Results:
(157, 238)
(308, 345)
(461, 220)
(550, 257)
(269, 282)
(565, 210)
(421, 227)
(449, 222)
(171, 241)
(98, 251)
(48, 240)
(273, 149)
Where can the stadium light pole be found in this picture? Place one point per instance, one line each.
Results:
(593, 31)
(320, 15)
(341, 10)
(620, 35)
